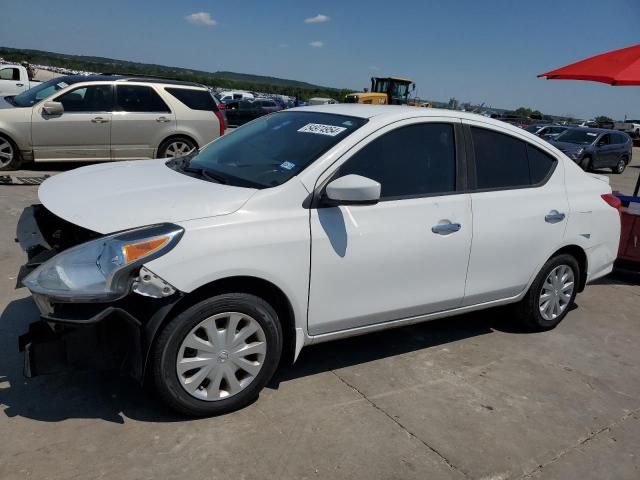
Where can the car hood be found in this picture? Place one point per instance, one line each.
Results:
(107, 198)
(568, 147)
(4, 104)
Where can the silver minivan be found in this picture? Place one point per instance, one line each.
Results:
(106, 117)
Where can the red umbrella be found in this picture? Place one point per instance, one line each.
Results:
(619, 67)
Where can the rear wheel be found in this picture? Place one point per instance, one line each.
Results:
(585, 163)
(551, 294)
(620, 166)
(176, 147)
(216, 356)
(10, 158)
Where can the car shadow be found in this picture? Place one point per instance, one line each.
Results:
(109, 396)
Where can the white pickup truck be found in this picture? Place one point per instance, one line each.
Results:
(14, 79)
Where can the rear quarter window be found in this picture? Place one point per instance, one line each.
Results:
(194, 99)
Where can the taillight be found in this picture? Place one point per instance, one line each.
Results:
(220, 121)
(221, 106)
(612, 200)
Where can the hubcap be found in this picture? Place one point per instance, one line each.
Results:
(556, 292)
(621, 165)
(6, 152)
(221, 356)
(177, 149)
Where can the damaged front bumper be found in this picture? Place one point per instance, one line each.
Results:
(115, 334)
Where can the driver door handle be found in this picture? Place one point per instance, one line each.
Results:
(99, 120)
(19, 84)
(554, 216)
(446, 228)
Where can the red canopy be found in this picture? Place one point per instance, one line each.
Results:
(619, 67)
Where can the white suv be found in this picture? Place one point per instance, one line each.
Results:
(305, 226)
(106, 117)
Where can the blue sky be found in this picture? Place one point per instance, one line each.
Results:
(474, 50)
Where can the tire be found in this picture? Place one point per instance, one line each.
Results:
(176, 147)
(620, 167)
(10, 158)
(529, 310)
(211, 392)
(585, 163)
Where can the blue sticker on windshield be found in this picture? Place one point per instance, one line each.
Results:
(287, 165)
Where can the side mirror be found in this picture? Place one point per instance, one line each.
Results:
(53, 108)
(352, 190)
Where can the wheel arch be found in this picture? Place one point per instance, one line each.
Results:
(259, 287)
(580, 255)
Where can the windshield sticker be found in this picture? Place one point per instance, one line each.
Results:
(320, 129)
(592, 134)
(287, 165)
(63, 85)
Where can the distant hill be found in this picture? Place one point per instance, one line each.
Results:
(243, 81)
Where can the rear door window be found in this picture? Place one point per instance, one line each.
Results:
(194, 99)
(503, 162)
(138, 98)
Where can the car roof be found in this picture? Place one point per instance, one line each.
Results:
(360, 110)
(595, 130)
(125, 78)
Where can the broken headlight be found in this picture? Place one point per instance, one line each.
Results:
(101, 269)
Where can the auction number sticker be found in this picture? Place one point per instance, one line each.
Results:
(320, 129)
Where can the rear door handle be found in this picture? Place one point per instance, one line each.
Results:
(446, 228)
(163, 119)
(19, 84)
(554, 216)
(99, 120)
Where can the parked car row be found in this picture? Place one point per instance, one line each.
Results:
(591, 148)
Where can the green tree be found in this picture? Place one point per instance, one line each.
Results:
(603, 119)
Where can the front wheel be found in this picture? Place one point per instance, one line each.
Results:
(551, 294)
(217, 355)
(585, 163)
(10, 158)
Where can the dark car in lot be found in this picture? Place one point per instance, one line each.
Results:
(593, 148)
(242, 111)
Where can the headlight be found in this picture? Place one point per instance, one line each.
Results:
(100, 269)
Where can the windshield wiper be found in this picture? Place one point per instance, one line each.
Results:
(204, 173)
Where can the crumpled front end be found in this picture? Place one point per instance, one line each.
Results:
(82, 326)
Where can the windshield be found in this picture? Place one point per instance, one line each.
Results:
(577, 136)
(40, 92)
(270, 150)
(533, 128)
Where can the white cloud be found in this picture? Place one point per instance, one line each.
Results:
(201, 18)
(320, 18)
(317, 44)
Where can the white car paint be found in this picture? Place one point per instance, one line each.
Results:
(395, 272)
(9, 84)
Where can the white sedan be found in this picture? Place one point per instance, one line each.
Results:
(306, 226)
